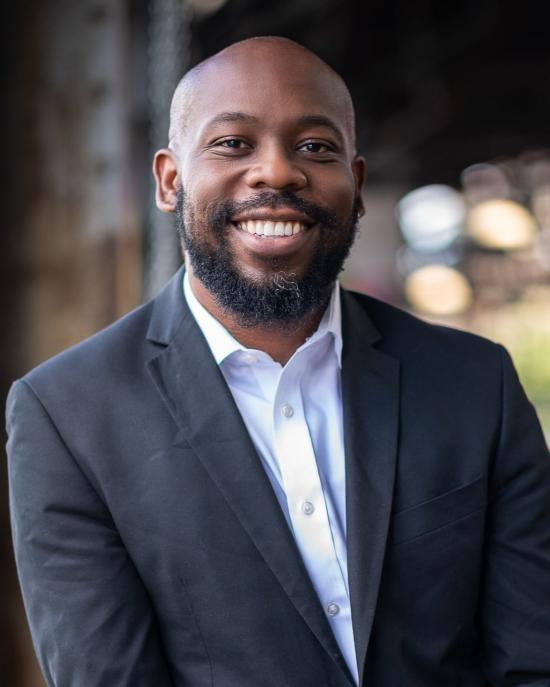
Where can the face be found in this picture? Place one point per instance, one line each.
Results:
(269, 195)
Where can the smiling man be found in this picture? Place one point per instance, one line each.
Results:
(259, 479)
(264, 176)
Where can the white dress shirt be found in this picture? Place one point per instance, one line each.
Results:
(294, 417)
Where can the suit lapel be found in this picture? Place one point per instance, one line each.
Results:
(198, 398)
(370, 389)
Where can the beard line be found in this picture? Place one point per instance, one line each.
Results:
(282, 298)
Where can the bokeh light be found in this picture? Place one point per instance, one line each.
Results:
(501, 224)
(431, 217)
(438, 290)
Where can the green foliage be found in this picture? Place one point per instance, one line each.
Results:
(531, 354)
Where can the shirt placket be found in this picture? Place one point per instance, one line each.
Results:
(305, 498)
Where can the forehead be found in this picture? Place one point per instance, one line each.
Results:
(273, 86)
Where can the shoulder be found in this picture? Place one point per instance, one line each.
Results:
(407, 336)
(436, 362)
(110, 356)
(454, 385)
(117, 354)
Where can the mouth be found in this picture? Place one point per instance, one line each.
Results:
(266, 228)
(274, 233)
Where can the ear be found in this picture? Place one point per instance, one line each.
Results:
(165, 171)
(359, 167)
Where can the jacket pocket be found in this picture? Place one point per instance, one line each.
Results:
(439, 511)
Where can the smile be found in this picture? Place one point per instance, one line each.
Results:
(270, 228)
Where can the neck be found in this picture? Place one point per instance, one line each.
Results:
(279, 341)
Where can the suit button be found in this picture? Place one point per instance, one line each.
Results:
(333, 609)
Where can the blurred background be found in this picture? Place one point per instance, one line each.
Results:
(453, 112)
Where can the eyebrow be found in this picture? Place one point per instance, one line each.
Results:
(322, 120)
(305, 120)
(231, 117)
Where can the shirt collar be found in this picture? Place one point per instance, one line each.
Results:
(222, 344)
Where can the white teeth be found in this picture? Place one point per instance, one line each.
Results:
(270, 228)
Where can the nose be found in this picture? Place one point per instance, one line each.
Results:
(274, 167)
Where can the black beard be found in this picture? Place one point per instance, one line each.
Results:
(281, 299)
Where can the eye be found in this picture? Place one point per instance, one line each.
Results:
(230, 147)
(233, 144)
(316, 147)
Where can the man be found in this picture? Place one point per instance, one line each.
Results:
(259, 479)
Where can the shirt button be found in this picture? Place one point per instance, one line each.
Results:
(333, 609)
(287, 411)
(307, 508)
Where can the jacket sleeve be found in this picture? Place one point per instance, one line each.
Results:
(515, 601)
(91, 620)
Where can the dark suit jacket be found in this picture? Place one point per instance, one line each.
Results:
(152, 550)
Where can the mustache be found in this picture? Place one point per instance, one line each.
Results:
(287, 199)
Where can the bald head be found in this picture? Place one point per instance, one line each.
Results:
(260, 53)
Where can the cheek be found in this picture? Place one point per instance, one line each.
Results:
(206, 185)
(338, 191)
